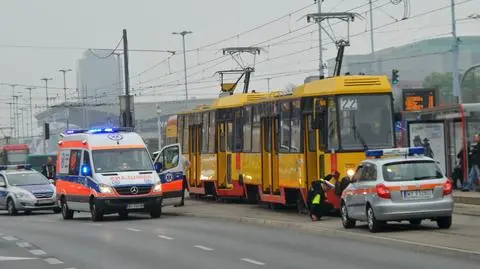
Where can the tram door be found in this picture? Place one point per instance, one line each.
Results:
(224, 156)
(270, 174)
(195, 149)
(310, 150)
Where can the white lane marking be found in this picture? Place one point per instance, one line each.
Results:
(165, 237)
(37, 252)
(10, 238)
(53, 261)
(6, 258)
(70, 268)
(252, 261)
(133, 229)
(24, 244)
(204, 247)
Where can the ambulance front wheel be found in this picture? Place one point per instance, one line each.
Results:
(95, 211)
(156, 212)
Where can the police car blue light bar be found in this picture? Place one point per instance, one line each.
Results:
(377, 153)
(16, 167)
(109, 130)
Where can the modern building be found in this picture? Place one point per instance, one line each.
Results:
(99, 80)
(415, 61)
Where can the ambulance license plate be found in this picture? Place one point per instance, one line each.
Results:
(134, 206)
(417, 195)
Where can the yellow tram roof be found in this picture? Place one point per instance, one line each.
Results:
(240, 99)
(344, 85)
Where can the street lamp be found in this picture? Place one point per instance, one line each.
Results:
(64, 71)
(159, 126)
(183, 34)
(46, 87)
(31, 112)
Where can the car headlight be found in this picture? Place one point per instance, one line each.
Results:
(158, 187)
(350, 172)
(105, 189)
(22, 195)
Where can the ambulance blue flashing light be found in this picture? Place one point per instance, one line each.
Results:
(377, 153)
(16, 167)
(99, 130)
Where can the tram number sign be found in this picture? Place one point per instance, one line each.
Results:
(417, 99)
(348, 103)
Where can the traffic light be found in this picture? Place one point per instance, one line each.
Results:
(395, 76)
(46, 131)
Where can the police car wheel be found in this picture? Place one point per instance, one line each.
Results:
(444, 222)
(12, 210)
(346, 221)
(373, 224)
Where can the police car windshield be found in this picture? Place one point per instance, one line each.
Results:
(21, 179)
(118, 160)
(411, 170)
(365, 119)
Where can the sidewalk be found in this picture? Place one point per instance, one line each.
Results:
(472, 198)
(464, 236)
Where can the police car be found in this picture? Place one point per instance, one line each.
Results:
(24, 189)
(404, 185)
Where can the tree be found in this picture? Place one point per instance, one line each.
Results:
(441, 81)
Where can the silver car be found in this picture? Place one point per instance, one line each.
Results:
(410, 187)
(26, 190)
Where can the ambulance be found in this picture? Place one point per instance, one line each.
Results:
(106, 171)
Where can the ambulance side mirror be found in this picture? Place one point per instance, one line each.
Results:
(158, 167)
(86, 171)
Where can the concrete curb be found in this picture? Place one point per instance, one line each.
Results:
(467, 200)
(339, 233)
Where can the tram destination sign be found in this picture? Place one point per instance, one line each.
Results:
(417, 99)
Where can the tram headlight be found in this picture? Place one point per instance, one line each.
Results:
(350, 172)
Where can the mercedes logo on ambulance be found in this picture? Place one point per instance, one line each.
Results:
(134, 190)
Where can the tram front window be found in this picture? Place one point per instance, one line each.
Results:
(365, 121)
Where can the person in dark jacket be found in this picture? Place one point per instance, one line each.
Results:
(457, 174)
(48, 169)
(474, 174)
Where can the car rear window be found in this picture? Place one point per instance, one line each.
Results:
(411, 170)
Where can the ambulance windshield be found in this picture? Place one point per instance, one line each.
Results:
(121, 160)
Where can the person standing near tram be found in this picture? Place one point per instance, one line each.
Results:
(474, 174)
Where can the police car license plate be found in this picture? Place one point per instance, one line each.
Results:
(134, 206)
(418, 194)
(42, 202)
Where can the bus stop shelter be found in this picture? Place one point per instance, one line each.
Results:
(444, 132)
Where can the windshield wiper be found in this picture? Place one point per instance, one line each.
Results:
(425, 177)
(358, 134)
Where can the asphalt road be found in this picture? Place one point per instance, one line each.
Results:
(177, 241)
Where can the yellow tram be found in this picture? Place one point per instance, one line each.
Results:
(270, 146)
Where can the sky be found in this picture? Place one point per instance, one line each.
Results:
(37, 38)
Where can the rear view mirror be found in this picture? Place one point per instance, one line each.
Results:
(3, 185)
